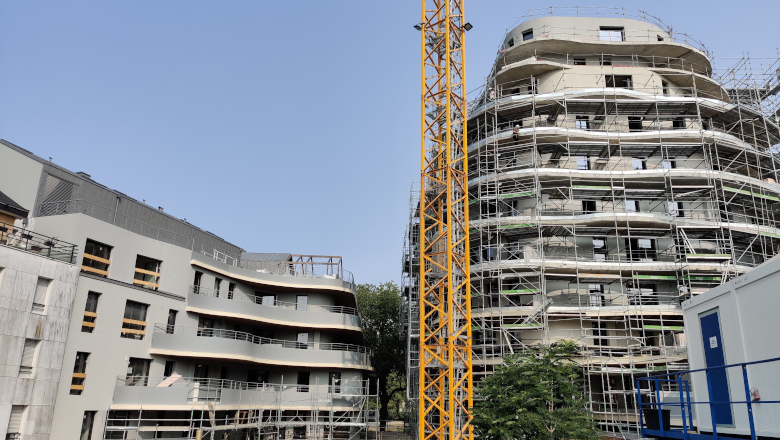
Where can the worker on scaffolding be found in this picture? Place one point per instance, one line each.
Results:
(516, 132)
(491, 94)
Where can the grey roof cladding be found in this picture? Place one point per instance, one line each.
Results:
(8, 205)
(77, 193)
(265, 256)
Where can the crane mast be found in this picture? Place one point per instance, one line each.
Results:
(446, 378)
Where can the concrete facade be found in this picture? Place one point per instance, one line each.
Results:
(35, 391)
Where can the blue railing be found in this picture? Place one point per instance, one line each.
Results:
(658, 427)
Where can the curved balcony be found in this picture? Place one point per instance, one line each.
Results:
(241, 346)
(285, 277)
(623, 170)
(250, 307)
(176, 392)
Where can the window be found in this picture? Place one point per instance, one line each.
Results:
(39, 300)
(533, 87)
(169, 367)
(302, 302)
(299, 432)
(596, 292)
(588, 206)
(678, 123)
(257, 376)
(582, 122)
(265, 299)
(303, 381)
(171, 321)
(665, 87)
(638, 164)
(134, 322)
(303, 339)
(223, 373)
(16, 422)
(334, 382)
(634, 123)
(262, 333)
(196, 283)
(202, 372)
(511, 42)
(619, 81)
(231, 290)
(86, 425)
(527, 35)
(611, 34)
(79, 374)
(606, 61)
(669, 164)
(217, 286)
(28, 357)
(90, 312)
(644, 295)
(97, 258)
(675, 209)
(579, 61)
(583, 163)
(600, 249)
(147, 272)
(599, 329)
(632, 205)
(641, 249)
(137, 372)
(205, 326)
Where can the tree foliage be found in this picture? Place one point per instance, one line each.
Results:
(380, 312)
(535, 396)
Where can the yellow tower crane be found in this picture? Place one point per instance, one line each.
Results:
(446, 378)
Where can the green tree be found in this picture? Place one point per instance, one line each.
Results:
(380, 312)
(535, 396)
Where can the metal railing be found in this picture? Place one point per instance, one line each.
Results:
(204, 385)
(29, 241)
(297, 269)
(269, 302)
(656, 409)
(248, 337)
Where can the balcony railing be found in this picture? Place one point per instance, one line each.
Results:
(206, 389)
(248, 337)
(306, 266)
(269, 302)
(29, 241)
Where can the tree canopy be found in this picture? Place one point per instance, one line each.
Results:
(380, 312)
(535, 396)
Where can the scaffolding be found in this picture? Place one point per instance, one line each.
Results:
(232, 410)
(604, 190)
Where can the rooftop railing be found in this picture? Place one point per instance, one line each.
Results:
(29, 241)
(204, 389)
(269, 301)
(248, 337)
(305, 266)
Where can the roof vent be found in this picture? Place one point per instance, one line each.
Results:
(160, 208)
(83, 174)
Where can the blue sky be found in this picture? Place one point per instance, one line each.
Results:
(281, 126)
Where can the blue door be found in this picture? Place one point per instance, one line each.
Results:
(715, 357)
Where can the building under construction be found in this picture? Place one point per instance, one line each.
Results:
(614, 172)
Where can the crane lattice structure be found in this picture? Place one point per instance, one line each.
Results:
(445, 301)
